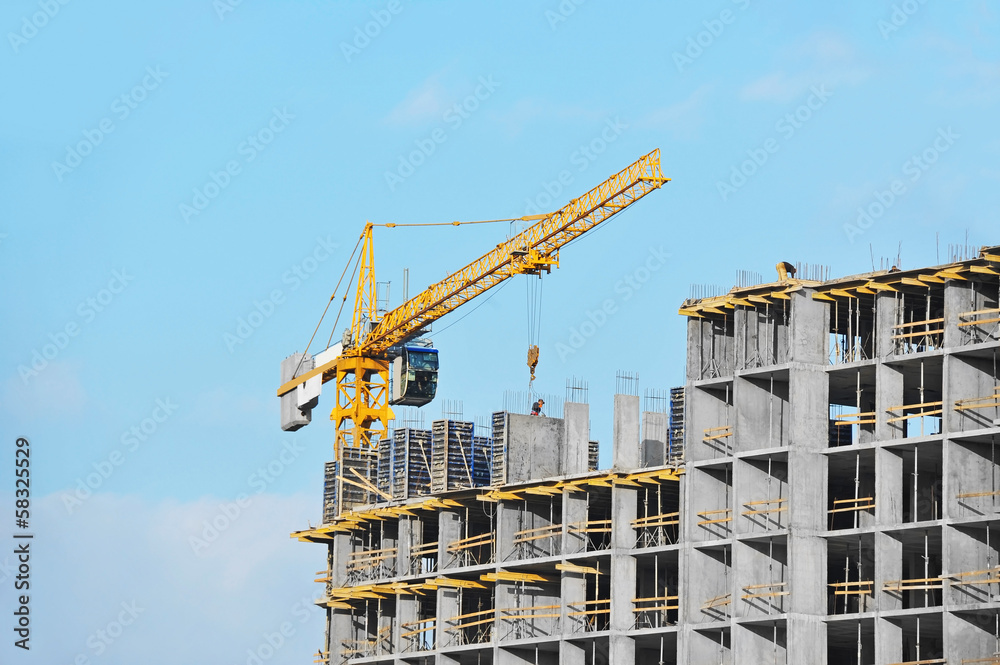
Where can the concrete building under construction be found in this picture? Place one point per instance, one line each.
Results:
(824, 489)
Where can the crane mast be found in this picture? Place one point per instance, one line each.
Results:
(361, 366)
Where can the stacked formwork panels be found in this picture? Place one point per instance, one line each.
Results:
(329, 492)
(593, 455)
(359, 467)
(452, 458)
(482, 460)
(675, 450)
(411, 456)
(498, 467)
(385, 451)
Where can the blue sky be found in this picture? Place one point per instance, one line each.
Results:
(167, 169)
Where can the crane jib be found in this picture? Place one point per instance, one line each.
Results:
(549, 234)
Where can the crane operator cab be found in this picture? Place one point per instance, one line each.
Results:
(414, 376)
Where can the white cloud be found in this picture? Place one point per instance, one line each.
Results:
(971, 69)
(823, 59)
(776, 87)
(527, 111)
(425, 103)
(682, 119)
(57, 383)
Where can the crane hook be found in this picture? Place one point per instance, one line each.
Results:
(533, 359)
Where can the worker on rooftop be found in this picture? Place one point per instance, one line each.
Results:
(536, 408)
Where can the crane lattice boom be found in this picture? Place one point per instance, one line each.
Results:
(535, 248)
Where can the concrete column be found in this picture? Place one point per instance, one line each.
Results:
(623, 574)
(806, 636)
(694, 360)
(449, 530)
(572, 653)
(574, 511)
(624, 508)
(888, 641)
(406, 612)
(340, 629)
(621, 649)
(654, 439)
(625, 440)
(743, 337)
(388, 541)
(574, 592)
(407, 526)
(577, 432)
(807, 576)
(888, 393)
(387, 620)
(508, 523)
(341, 550)
(885, 319)
(956, 301)
(889, 499)
(807, 491)
(809, 323)
(888, 567)
(809, 405)
(448, 606)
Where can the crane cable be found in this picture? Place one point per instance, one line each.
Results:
(526, 218)
(390, 225)
(325, 309)
(478, 305)
(534, 304)
(344, 301)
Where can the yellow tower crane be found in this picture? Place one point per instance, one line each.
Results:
(376, 343)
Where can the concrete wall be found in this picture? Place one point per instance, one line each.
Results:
(534, 447)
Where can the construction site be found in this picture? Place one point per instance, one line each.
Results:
(823, 487)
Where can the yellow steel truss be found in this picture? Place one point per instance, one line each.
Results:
(362, 411)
